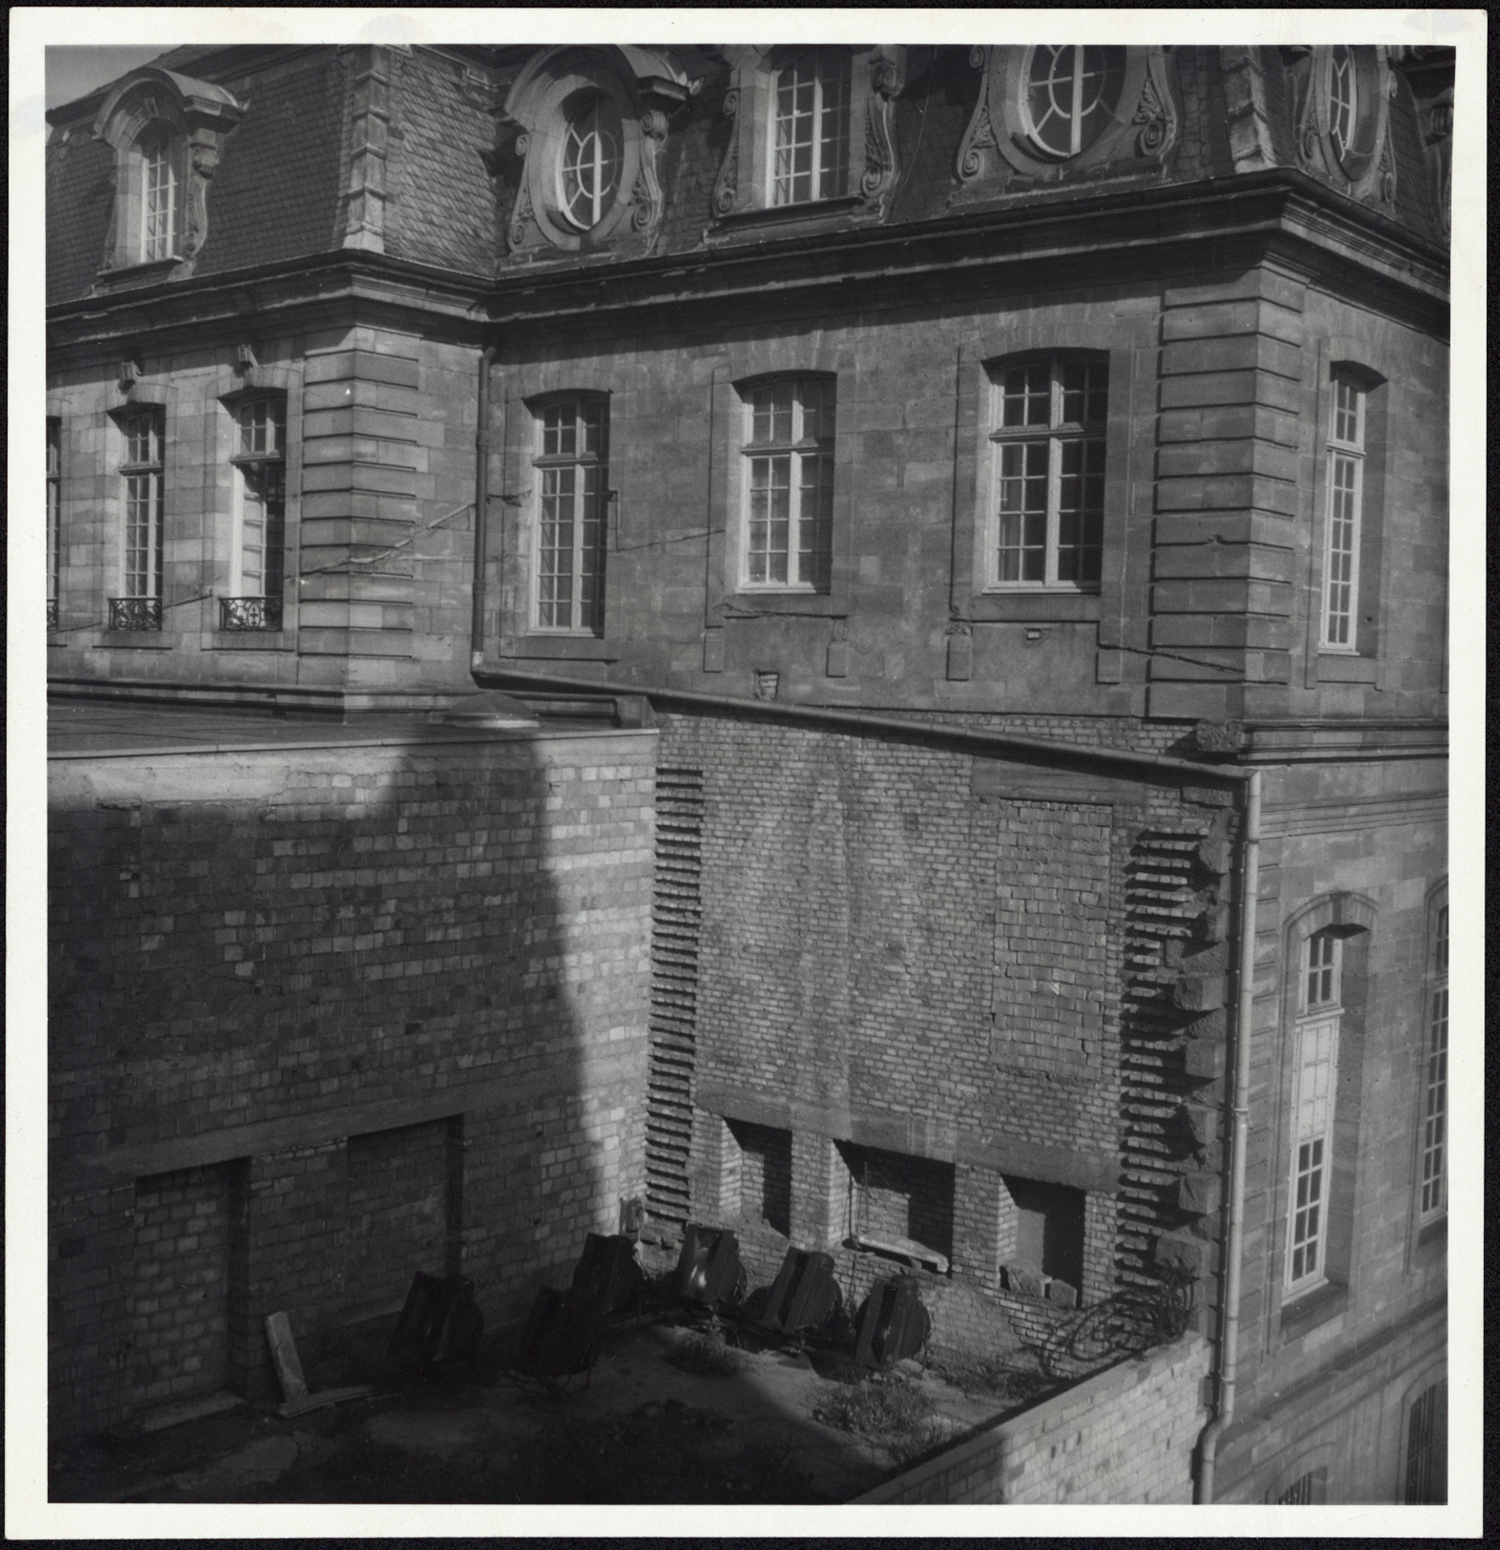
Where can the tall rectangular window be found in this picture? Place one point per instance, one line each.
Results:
(54, 516)
(1048, 505)
(158, 196)
(142, 472)
(258, 564)
(1346, 465)
(1315, 1082)
(1427, 1447)
(1435, 1077)
(788, 534)
(811, 128)
(573, 484)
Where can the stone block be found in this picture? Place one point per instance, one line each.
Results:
(1199, 992)
(1025, 1280)
(1061, 1293)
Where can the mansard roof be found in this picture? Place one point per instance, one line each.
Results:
(452, 178)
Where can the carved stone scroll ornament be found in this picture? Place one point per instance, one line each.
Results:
(976, 149)
(880, 146)
(726, 185)
(646, 196)
(1156, 112)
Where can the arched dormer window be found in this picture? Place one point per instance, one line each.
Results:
(155, 163)
(1343, 115)
(167, 132)
(588, 126)
(1048, 111)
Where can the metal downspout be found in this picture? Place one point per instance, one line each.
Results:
(481, 504)
(1229, 1322)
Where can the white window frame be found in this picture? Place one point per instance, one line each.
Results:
(808, 568)
(589, 112)
(553, 469)
(1115, 61)
(828, 66)
(1343, 516)
(1314, 1090)
(143, 477)
(266, 460)
(1056, 436)
(157, 150)
(1432, 1151)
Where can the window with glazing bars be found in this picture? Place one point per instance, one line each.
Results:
(1314, 1084)
(158, 196)
(54, 515)
(1049, 440)
(260, 462)
(811, 128)
(1435, 1078)
(788, 541)
(1427, 1447)
(1346, 460)
(1307, 1490)
(573, 494)
(145, 508)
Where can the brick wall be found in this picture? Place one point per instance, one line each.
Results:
(438, 948)
(1123, 1437)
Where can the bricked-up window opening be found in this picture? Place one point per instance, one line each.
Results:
(765, 1173)
(1047, 508)
(54, 516)
(1316, 1080)
(788, 534)
(810, 132)
(1435, 1077)
(143, 473)
(590, 159)
(1049, 1228)
(572, 515)
(258, 569)
(894, 1196)
(1070, 97)
(1346, 471)
(1427, 1447)
(158, 194)
(1307, 1490)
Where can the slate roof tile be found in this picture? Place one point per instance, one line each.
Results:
(441, 198)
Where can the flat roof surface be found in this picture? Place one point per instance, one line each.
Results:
(80, 727)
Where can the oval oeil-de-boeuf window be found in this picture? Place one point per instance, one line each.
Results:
(590, 160)
(1343, 100)
(1070, 95)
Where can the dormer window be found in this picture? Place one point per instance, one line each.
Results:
(158, 197)
(166, 131)
(1071, 95)
(1054, 110)
(1343, 99)
(812, 128)
(590, 161)
(811, 151)
(588, 125)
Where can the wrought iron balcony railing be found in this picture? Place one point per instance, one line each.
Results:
(249, 613)
(51, 613)
(135, 613)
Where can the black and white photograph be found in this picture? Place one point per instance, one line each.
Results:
(738, 773)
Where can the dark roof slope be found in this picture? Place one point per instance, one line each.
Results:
(80, 194)
(276, 194)
(441, 199)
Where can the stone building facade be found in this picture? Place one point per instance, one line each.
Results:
(1012, 482)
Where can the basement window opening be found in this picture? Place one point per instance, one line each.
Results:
(900, 1207)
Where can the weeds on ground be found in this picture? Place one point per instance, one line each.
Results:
(1006, 1378)
(901, 1418)
(709, 1355)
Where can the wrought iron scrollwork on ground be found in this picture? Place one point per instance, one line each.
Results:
(1129, 1323)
